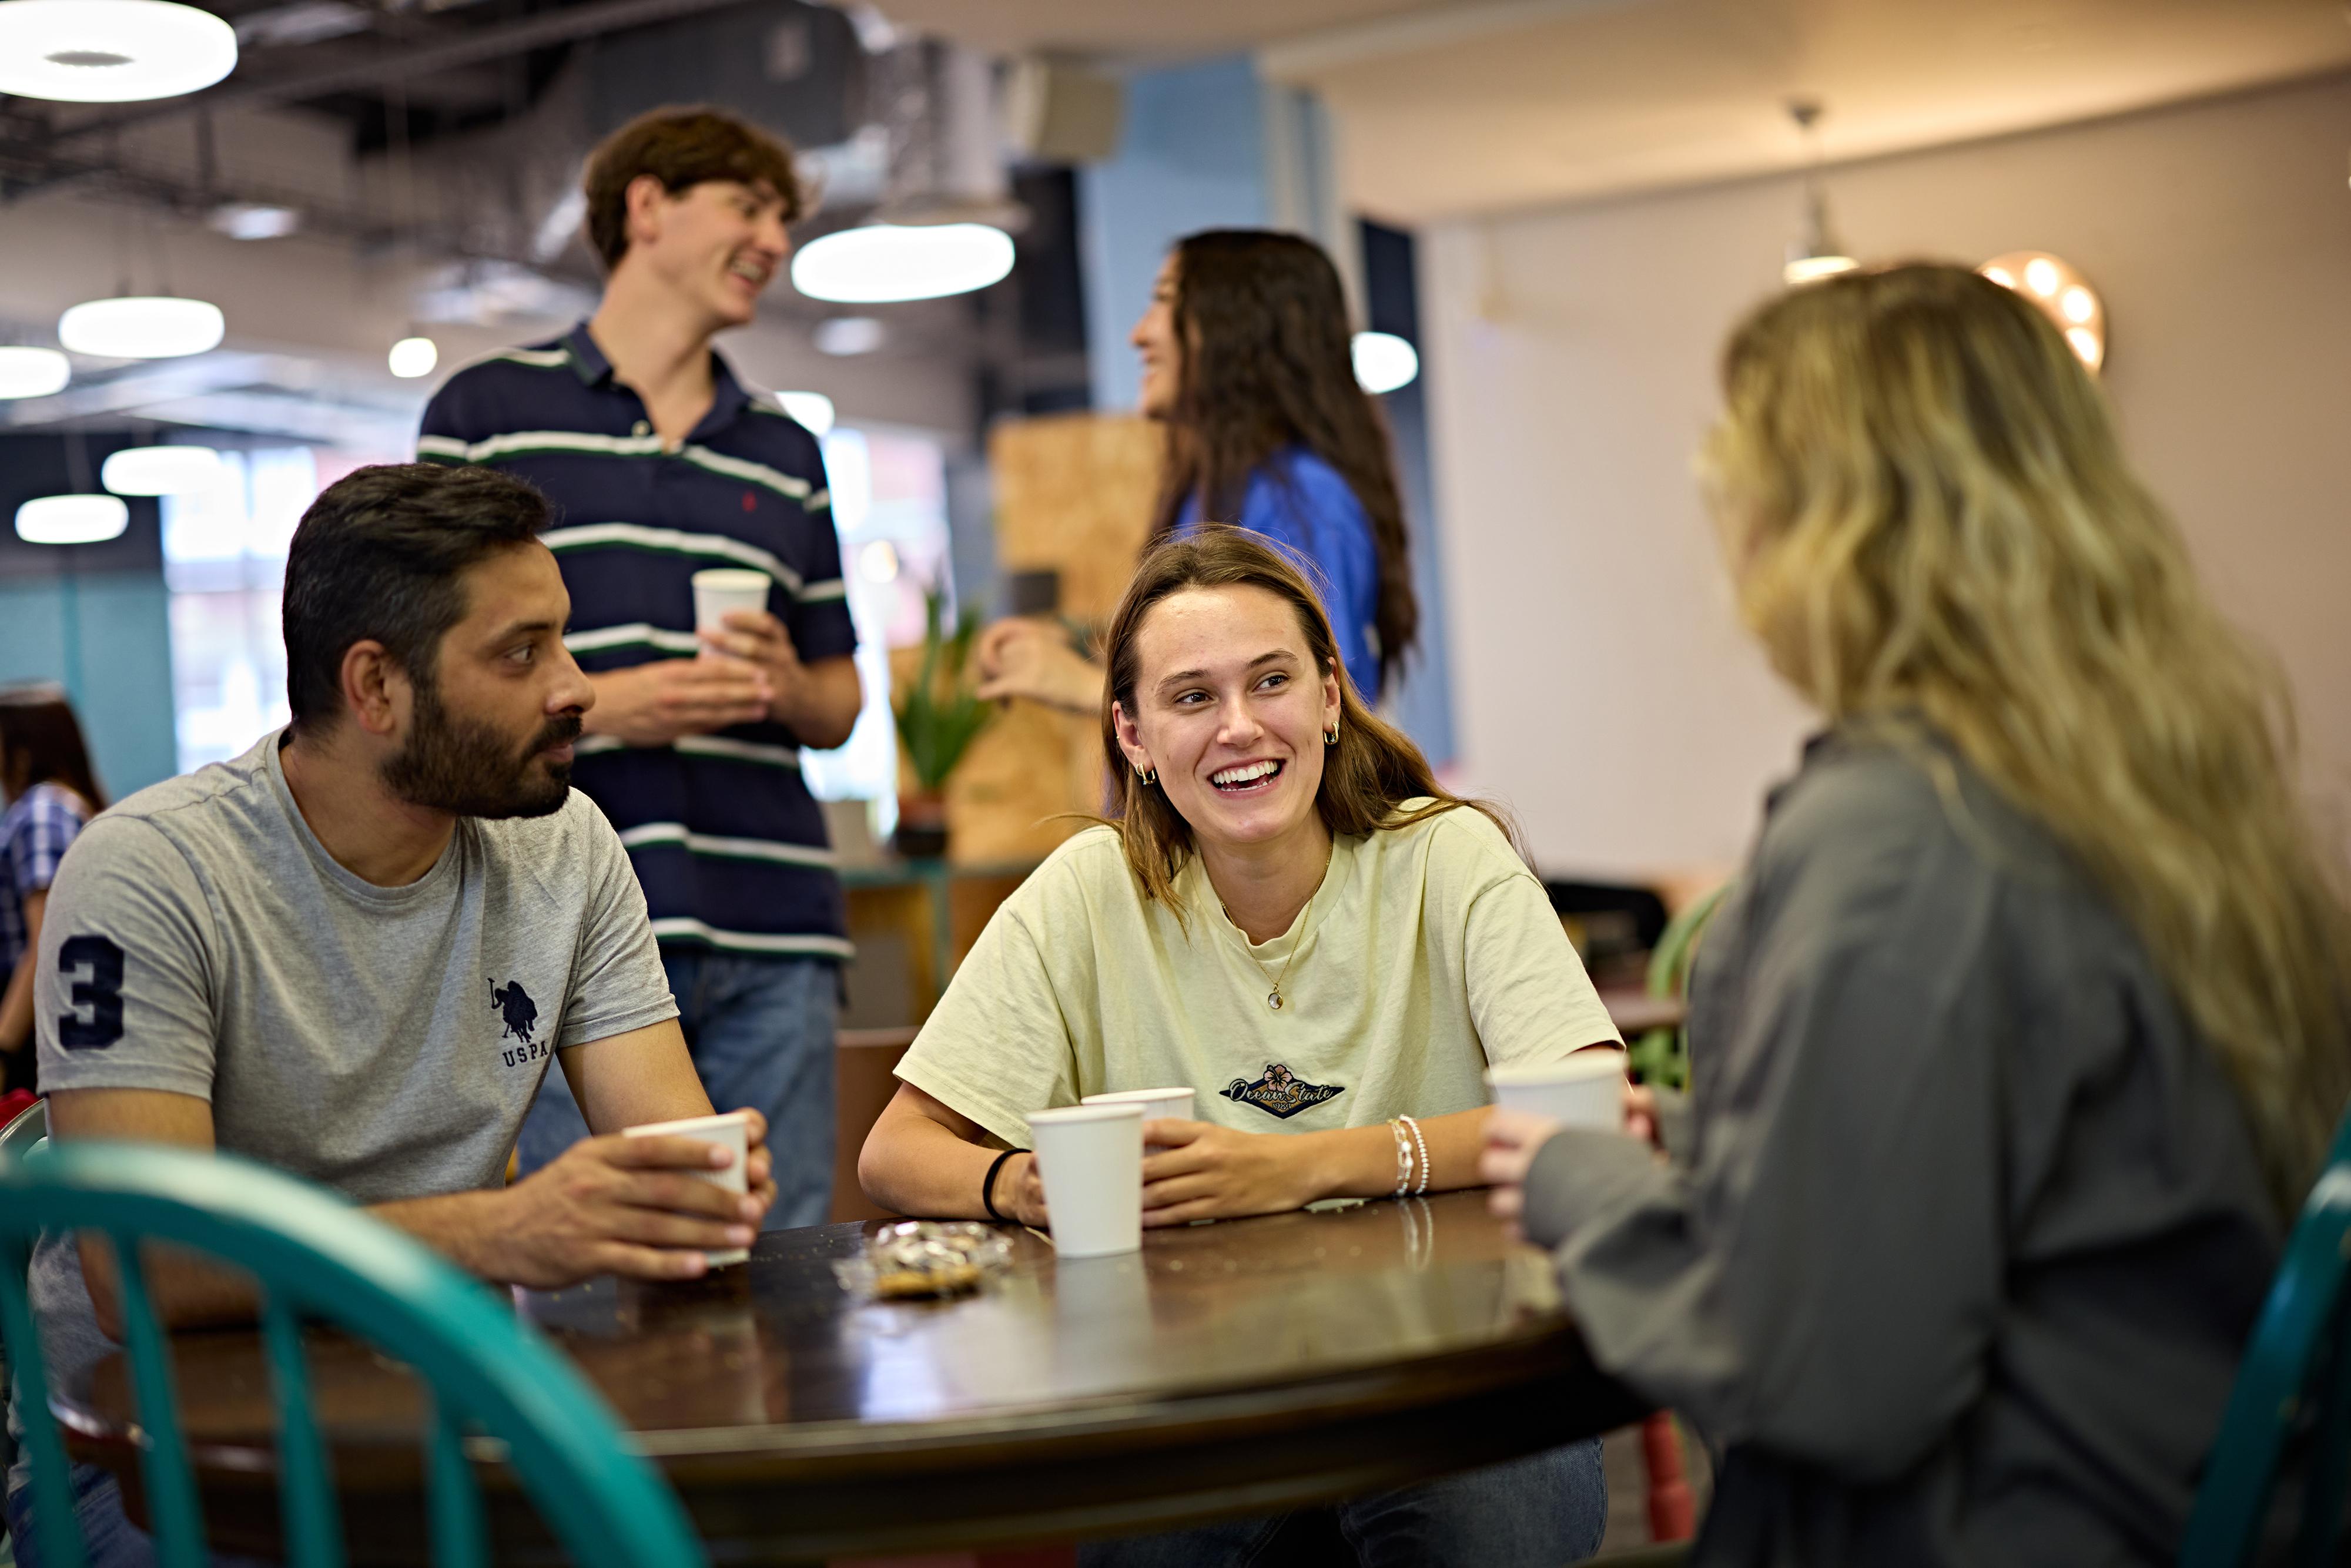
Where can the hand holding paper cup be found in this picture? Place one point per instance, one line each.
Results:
(1090, 1157)
(1585, 1090)
(720, 591)
(728, 1130)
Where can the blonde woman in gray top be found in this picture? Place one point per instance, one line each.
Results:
(2024, 1026)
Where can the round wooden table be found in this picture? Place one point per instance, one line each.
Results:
(1242, 1367)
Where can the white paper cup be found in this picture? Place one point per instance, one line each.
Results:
(1090, 1157)
(1157, 1105)
(1586, 1089)
(731, 1130)
(721, 590)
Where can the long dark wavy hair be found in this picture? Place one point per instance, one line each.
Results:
(40, 743)
(1267, 363)
(1367, 777)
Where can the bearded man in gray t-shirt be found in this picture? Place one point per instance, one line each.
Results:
(352, 952)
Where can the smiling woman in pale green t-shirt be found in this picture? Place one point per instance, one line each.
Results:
(1289, 915)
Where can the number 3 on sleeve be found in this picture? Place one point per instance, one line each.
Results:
(101, 995)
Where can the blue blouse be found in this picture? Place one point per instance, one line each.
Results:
(1303, 506)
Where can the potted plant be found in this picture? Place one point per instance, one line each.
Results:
(938, 717)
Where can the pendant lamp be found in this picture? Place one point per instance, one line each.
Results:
(110, 51)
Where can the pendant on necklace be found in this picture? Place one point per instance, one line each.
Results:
(1273, 1000)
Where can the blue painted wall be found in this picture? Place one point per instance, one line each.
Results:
(95, 618)
(1191, 156)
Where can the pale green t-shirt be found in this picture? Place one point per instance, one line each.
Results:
(1429, 952)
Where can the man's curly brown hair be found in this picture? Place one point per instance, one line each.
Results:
(680, 147)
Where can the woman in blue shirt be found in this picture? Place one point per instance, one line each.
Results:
(1247, 359)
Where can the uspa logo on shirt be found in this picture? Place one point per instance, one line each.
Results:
(518, 1021)
(1281, 1093)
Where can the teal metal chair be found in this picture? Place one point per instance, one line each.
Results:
(316, 1258)
(2292, 1389)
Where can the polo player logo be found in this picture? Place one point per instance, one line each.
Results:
(1281, 1093)
(514, 1006)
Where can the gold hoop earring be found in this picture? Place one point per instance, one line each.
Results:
(1330, 735)
(1149, 776)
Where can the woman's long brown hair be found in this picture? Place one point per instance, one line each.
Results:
(1366, 777)
(40, 743)
(1267, 363)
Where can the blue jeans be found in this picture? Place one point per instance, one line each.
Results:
(110, 1537)
(761, 1033)
(1540, 1511)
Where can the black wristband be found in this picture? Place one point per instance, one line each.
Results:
(987, 1187)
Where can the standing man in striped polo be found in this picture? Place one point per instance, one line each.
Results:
(660, 463)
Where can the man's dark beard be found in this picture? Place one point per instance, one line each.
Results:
(469, 769)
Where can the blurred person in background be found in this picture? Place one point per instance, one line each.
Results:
(660, 463)
(1247, 362)
(51, 792)
(2024, 1032)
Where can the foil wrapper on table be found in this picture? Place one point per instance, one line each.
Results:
(916, 1259)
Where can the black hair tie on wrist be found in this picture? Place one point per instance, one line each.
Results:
(987, 1187)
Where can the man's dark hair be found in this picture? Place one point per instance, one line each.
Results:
(681, 148)
(382, 554)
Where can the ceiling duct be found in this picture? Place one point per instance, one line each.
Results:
(794, 67)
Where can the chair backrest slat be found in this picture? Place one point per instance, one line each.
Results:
(177, 1518)
(460, 1533)
(305, 1480)
(2304, 1315)
(53, 1509)
(319, 1259)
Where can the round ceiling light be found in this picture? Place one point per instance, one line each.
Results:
(72, 519)
(161, 470)
(813, 410)
(2063, 294)
(110, 51)
(844, 337)
(33, 372)
(879, 263)
(139, 327)
(414, 357)
(1384, 361)
(1804, 269)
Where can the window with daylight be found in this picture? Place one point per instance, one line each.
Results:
(224, 563)
(889, 503)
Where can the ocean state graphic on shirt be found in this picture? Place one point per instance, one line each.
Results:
(1281, 1093)
(518, 1017)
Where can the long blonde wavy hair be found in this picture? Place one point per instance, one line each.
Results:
(1927, 510)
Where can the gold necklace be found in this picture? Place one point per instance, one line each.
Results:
(1305, 923)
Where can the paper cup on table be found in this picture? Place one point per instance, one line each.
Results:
(730, 1130)
(721, 590)
(1585, 1090)
(1090, 1157)
(1157, 1104)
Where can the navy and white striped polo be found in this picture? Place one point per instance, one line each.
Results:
(724, 834)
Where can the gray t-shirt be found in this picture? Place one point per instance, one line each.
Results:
(384, 1042)
(1969, 1227)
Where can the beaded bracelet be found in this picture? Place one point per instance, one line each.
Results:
(1422, 1147)
(1404, 1157)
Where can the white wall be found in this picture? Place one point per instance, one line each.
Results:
(1602, 687)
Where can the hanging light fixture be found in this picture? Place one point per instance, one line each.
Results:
(140, 326)
(33, 372)
(2063, 295)
(1815, 253)
(161, 470)
(72, 519)
(1384, 361)
(414, 357)
(110, 51)
(946, 226)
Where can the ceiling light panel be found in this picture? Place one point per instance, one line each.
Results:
(110, 51)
